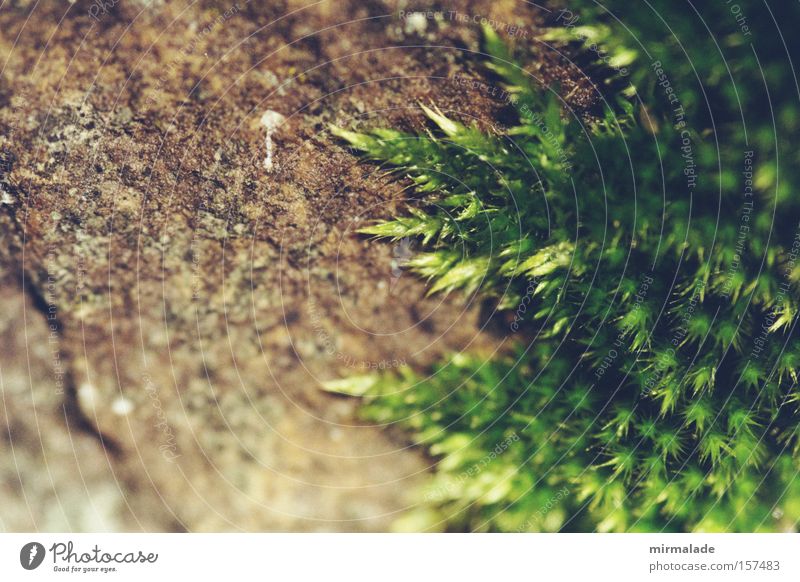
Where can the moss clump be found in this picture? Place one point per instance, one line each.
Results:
(656, 264)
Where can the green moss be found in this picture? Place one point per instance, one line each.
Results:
(660, 281)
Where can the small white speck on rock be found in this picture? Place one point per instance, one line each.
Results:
(416, 23)
(87, 396)
(122, 406)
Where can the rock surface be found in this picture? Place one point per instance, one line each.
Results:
(170, 307)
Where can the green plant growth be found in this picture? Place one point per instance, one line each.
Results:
(655, 384)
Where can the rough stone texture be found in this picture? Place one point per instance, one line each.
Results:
(54, 473)
(199, 299)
